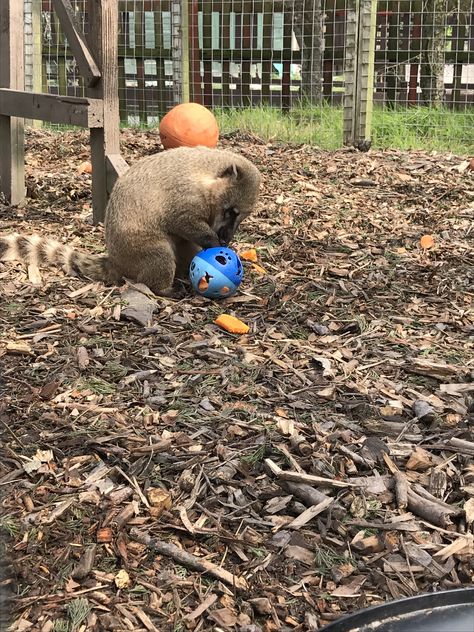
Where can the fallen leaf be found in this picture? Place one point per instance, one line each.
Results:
(301, 554)
(419, 460)
(49, 390)
(469, 510)
(258, 269)
(223, 617)
(465, 164)
(249, 255)
(85, 167)
(340, 272)
(71, 585)
(159, 498)
(352, 589)
(286, 426)
(122, 579)
(426, 242)
(274, 505)
(82, 358)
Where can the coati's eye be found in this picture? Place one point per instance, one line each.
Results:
(231, 213)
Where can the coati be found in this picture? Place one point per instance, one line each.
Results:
(160, 213)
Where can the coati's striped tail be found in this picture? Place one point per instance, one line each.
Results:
(40, 251)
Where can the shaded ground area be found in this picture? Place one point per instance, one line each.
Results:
(321, 463)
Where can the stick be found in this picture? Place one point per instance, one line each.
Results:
(311, 496)
(160, 446)
(309, 514)
(421, 491)
(300, 477)
(401, 490)
(93, 408)
(461, 443)
(429, 511)
(189, 560)
(207, 603)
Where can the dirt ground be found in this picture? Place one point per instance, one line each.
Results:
(176, 477)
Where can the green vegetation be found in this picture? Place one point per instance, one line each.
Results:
(423, 128)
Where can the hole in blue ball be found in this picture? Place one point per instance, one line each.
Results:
(221, 260)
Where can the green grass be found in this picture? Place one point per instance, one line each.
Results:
(400, 128)
(425, 128)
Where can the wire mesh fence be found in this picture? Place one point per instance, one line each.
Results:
(299, 70)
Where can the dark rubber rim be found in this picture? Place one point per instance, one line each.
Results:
(437, 600)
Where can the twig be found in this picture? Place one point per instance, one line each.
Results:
(401, 490)
(300, 477)
(310, 496)
(309, 514)
(207, 603)
(421, 491)
(160, 446)
(189, 560)
(94, 408)
(428, 510)
(135, 485)
(384, 526)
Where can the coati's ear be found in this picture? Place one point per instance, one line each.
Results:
(232, 172)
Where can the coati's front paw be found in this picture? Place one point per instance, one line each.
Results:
(224, 236)
(210, 241)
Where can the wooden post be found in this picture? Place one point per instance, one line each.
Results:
(194, 52)
(176, 57)
(33, 52)
(350, 61)
(365, 72)
(359, 73)
(185, 87)
(107, 164)
(12, 161)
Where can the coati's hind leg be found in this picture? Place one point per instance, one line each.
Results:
(155, 267)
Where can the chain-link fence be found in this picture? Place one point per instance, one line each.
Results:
(317, 71)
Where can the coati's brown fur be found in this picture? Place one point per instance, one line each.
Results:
(161, 212)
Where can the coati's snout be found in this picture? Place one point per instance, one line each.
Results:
(226, 225)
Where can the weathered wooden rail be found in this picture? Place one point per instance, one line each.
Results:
(95, 53)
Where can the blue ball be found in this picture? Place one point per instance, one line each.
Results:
(216, 272)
